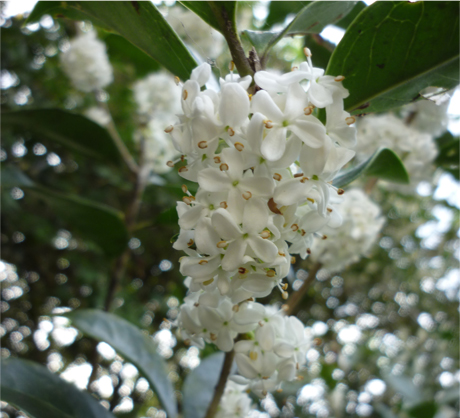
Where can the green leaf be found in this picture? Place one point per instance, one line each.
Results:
(448, 156)
(42, 394)
(132, 344)
(139, 22)
(279, 10)
(200, 384)
(75, 132)
(384, 164)
(404, 386)
(425, 409)
(260, 39)
(95, 221)
(348, 19)
(206, 12)
(389, 54)
(311, 19)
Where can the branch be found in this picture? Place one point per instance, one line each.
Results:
(225, 372)
(231, 36)
(292, 304)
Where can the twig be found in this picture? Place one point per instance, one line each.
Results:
(370, 185)
(231, 36)
(225, 372)
(292, 304)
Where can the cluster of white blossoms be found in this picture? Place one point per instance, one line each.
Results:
(264, 164)
(362, 223)
(235, 402)
(416, 149)
(86, 63)
(158, 101)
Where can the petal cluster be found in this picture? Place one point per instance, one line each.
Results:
(264, 165)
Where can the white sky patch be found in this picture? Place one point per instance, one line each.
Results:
(333, 34)
(454, 113)
(17, 7)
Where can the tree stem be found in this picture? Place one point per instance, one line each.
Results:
(225, 372)
(231, 36)
(293, 302)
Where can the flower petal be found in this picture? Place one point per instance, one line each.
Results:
(274, 144)
(263, 103)
(234, 254)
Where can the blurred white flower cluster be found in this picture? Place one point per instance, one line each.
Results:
(362, 223)
(235, 402)
(264, 164)
(86, 63)
(157, 99)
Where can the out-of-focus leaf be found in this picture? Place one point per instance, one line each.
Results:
(425, 409)
(76, 132)
(139, 22)
(169, 216)
(384, 411)
(97, 222)
(448, 156)
(260, 39)
(279, 10)
(206, 10)
(404, 386)
(132, 344)
(200, 384)
(388, 54)
(42, 394)
(119, 48)
(311, 19)
(346, 21)
(384, 164)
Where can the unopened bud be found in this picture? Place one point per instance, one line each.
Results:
(185, 95)
(170, 164)
(223, 205)
(247, 195)
(202, 262)
(221, 244)
(339, 78)
(169, 129)
(239, 146)
(268, 124)
(202, 144)
(223, 167)
(350, 120)
(277, 176)
(307, 52)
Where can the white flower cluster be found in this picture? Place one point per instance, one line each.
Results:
(157, 99)
(416, 149)
(264, 166)
(362, 222)
(235, 402)
(86, 63)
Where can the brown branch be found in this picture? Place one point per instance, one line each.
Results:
(229, 31)
(293, 302)
(225, 372)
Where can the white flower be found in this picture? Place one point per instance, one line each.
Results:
(98, 115)
(86, 63)
(235, 402)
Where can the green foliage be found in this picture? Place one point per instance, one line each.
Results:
(131, 343)
(199, 386)
(98, 222)
(388, 54)
(383, 164)
(207, 11)
(139, 22)
(448, 157)
(69, 129)
(42, 394)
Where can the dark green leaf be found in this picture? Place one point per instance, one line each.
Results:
(73, 131)
(169, 216)
(205, 10)
(139, 22)
(42, 394)
(200, 384)
(384, 164)
(448, 156)
(260, 39)
(388, 54)
(279, 10)
(320, 48)
(132, 344)
(346, 21)
(425, 409)
(97, 222)
(119, 48)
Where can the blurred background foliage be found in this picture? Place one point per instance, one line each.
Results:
(395, 310)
